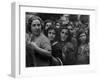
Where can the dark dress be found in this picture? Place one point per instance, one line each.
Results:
(57, 50)
(70, 54)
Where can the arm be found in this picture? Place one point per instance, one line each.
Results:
(40, 50)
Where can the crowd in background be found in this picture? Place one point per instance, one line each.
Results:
(57, 39)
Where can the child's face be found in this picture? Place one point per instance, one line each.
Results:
(64, 34)
(36, 27)
(57, 25)
(51, 34)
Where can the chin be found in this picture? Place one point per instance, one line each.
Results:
(37, 34)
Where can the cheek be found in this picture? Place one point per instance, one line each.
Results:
(48, 35)
(63, 35)
(80, 38)
(46, 27)
(84, 37)
(53, 36)
(66, 36)
(40, 27)
(32, 28)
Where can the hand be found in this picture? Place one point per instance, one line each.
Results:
(28, 39)
(33, 44)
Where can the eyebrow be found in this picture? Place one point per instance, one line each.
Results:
(65, 32)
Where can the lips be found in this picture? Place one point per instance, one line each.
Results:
(37, 31)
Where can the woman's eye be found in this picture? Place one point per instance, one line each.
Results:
(36, 25)
(63, 32)
(49, 32)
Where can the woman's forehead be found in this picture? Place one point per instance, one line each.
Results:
(65, 30)
(48, 23)
(83, 34)
(35, 21)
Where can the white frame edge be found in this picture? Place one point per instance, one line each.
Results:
(15, 40)
(15, 36)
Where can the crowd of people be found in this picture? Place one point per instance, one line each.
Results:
(57, 41)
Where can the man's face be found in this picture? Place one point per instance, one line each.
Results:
(51, 34)
(36, 27)
(64, 34)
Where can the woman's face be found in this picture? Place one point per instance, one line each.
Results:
(64, 34)
(70, 29)
(48, 24)
(82, 37)
(36, 27)
(57, 25)
(65, 19)
(51, 34)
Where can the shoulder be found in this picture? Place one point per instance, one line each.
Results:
(44, 42)
(44, 38)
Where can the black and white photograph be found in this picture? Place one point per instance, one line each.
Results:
(55, 39)
(52, 40)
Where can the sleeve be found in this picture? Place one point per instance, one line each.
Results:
(45, 44)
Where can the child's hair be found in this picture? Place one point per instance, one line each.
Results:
(78, 36)
(51, 28)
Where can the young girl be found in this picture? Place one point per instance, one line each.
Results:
(83, 49)
(51, 34)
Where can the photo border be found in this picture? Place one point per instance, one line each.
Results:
(16, 58)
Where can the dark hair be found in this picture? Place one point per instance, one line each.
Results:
(51, 28)
(84, 19)
(31, 20)
(48, 21)
(58, 21)
(78, 36)
(69, 34)
(73, 18)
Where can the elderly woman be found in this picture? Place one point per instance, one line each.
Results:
(37, 44)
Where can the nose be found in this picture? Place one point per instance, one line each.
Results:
(37, 27)
(50, 34)
(63, 34)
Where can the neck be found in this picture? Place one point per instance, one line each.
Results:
(34, 37)
(83, 43)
